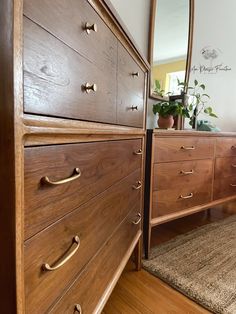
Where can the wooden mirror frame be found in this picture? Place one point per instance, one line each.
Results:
(151, 45)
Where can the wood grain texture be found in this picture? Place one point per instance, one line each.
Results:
(94, 223)
(224, 147)
(171, 149)
(54, 79)
(223, 187)
(225, 167)
(94, 281)
(101, 165)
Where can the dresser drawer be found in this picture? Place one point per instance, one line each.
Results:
(168, 176)
(224, 187)
(182, 148)
(169, 201)
(92, 285)
(101, 164)
(67, 20)
(131, 86)
(225, 167)
(225, 147)
(55, 80)
(93, 223)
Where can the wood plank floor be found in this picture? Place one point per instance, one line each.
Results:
(140, 292)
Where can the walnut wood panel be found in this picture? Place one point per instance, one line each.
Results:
(226, 147)
(94, 222)
(99, 273)
(99, 47)
(169, 200)
(225, 167)
(224, 187)
(54, 79)
(175, 149)
(181, 174)
(101, 165)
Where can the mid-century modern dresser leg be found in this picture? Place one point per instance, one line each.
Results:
(138, 255)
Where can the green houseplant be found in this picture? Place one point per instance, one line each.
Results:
(167, 110)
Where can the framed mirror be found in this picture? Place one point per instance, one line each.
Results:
(171, 31)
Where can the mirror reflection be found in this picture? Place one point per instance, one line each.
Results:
(170, 46)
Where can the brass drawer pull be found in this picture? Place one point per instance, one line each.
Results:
(233, 185)
(187, 196)
(90, 27)
(188, 147)
(138, 186)
(187, 172)
(76, 174)
(233, 147)
(65, 259)
(138, 152)
(134, 108)
(90, 87)
(136, 222)
(78, 308)
(234, 166)
(135, 74)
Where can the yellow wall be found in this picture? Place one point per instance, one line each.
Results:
(159, 72)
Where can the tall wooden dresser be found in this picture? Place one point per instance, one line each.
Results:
(72, 130)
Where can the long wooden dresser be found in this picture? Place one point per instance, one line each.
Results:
(72, 127)
(186, 172)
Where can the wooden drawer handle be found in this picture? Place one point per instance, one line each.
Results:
(90, 87)
(78, 308)
(233, 185)
(76, 174)
(135, 74)
(90, 27)
(138, 152)
(234, 166)
(187, 172)
(138, 186)
(46, 266)
(233, 147)
(188, 147)
(187, 196)
(136, 222)
(134, 108)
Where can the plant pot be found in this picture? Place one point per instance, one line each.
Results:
(165, 122)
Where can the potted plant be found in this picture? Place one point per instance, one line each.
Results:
(167, 110)
(197, 102)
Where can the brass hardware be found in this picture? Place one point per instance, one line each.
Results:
(46, 266)
(135, 74)
(88, 87)
(187, 172)
(136, 222)
(78, 308)
(233, 147)
(234, 166)
(187, 196)
(188, 148)
(138, 152)
(233, 185)
(134, 108)
(76, 174)
(138, 186)
(90, 27)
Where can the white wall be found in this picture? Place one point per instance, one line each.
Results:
(135, 15)
(215, 26)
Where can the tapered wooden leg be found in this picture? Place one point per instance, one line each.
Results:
(138, 255)
(209, 213)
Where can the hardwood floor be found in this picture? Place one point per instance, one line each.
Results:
(140, 292)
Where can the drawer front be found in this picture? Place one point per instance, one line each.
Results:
(131, 86)
(93, 223)
(225, 167)
(91, 285)
(55, 77)
(226, 147)
(224, 187)
(100, 46)
(174, 149)
(101, 164)
(169, 201)
(181, 174)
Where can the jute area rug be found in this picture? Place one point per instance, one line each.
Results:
(201, 264)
